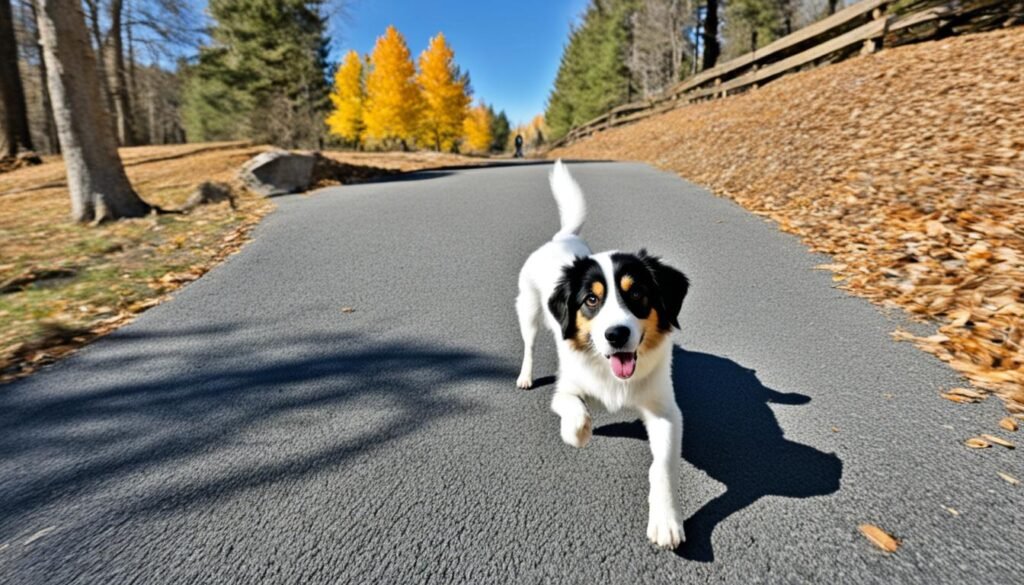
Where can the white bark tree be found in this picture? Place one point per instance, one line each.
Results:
(99, 188)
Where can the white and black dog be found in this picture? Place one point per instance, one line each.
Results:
(612, 314)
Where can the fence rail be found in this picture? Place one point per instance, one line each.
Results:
(865, 25)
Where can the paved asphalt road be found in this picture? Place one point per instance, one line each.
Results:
(250, 431)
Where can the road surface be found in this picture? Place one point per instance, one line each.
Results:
(251, 431)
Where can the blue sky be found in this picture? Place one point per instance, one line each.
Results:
(511, 49)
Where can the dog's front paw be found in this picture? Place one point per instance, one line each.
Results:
(576, 431)
(525, 381)
(663, 529)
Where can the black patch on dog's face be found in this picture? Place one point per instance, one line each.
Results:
(645, 283)
(581, 291)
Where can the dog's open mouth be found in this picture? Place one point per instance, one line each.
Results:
(623, 364)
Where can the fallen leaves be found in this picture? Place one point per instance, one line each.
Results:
(977, 443)
(1008, 478)
(912, 182)
(64, 285)
(1009, 424)
(997, 441)
(963, 395)
(879, 537)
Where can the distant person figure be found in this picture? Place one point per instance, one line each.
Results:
(519, 146)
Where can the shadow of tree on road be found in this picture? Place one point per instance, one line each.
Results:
(731, 434)
(144, 405)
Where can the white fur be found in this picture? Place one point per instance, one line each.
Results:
(569, 197)
(586, 376)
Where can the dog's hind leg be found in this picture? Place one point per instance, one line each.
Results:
(528, 308)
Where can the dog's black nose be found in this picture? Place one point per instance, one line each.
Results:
(617, 336)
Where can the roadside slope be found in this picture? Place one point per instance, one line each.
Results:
(907, 166)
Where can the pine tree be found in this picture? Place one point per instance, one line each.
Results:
(263, 76)
(346, 121)
(592, 76)
(477, 130)
(500, 129)
(445, 93)
(393, 100)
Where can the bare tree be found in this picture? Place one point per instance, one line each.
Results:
(113, 57)
(49, 130)
(97, 182)
(659, 44)
(14, 132)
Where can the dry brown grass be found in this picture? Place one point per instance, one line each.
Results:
(67, 283)
(906, 166)
(405, 161)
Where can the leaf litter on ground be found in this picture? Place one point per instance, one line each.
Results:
(906, 166)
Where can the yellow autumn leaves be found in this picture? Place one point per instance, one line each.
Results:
(386, 101)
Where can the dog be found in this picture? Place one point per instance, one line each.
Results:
(612, 315)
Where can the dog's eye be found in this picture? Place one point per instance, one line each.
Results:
(636, 294)
(591, 300)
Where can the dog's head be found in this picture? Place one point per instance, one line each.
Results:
(620, 306)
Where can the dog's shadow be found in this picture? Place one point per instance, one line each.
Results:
(730, 433)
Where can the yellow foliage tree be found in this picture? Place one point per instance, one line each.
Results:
(348, 95)
(445, 95)
(477, 129)
(393, 101)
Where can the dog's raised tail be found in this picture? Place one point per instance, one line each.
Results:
(571, 208)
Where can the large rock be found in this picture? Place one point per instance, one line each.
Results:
(278, 172)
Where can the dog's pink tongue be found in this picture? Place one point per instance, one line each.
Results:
(623, 364)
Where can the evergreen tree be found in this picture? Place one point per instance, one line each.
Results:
(752, 24)
(393, 100)
(592, 76)
(263, 76)
(500, 130)
(445, 93)
(346, 121)
(477, 129)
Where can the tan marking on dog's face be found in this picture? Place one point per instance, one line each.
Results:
(582, 338)
(597, 288)
(653, 334)
(626, 283)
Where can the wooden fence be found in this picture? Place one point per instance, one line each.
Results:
(857, 29)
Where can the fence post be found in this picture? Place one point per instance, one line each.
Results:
(718, 82)
(872, 45)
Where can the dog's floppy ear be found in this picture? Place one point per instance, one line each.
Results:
(560, 305)
(563, 303)
(672, 286)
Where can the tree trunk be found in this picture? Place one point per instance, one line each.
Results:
(832, 6)
(14, 132)
(97, 42)
(99, 188)
(711, 48)
(50, 127)
(114, 49)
